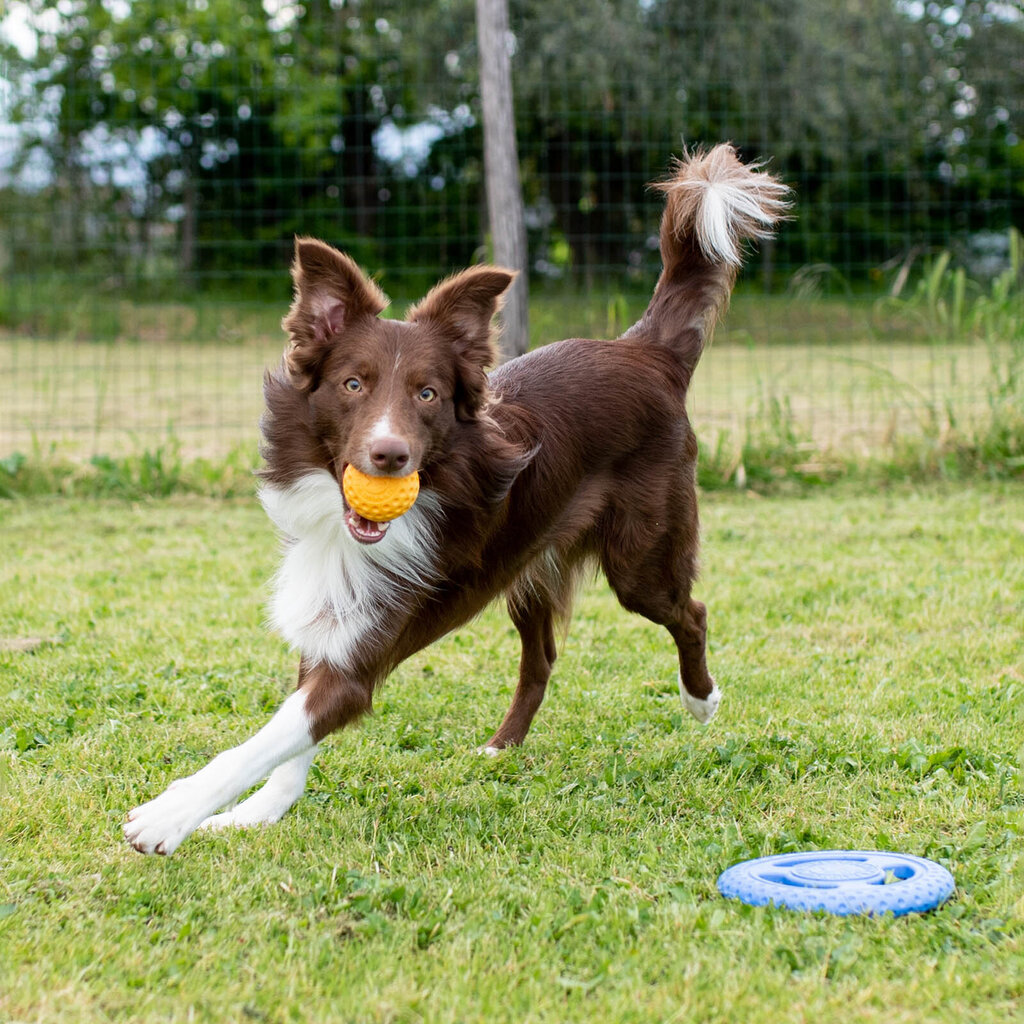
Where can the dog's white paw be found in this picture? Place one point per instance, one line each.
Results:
(163, 824)
(701, 709)
(489, 751)
(229, 819)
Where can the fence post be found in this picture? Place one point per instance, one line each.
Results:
(501, 169)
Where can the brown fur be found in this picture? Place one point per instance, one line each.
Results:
(578, 452)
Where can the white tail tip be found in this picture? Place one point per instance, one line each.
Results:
(723, 202)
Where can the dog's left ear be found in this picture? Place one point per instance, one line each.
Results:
(464, 307)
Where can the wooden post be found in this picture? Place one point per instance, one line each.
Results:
(501, 169)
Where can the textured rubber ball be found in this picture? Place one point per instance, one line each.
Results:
(379, 498)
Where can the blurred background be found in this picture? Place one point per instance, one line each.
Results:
(157, 158)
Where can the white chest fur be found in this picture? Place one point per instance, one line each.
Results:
(331, 591)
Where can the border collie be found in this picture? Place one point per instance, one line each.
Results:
(576, 453)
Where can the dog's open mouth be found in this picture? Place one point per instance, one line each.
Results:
(373, 502)
(364, 530)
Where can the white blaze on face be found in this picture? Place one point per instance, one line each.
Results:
(381, 430)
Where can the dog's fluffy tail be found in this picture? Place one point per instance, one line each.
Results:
(714, 203)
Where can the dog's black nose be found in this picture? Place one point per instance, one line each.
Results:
(389, 454)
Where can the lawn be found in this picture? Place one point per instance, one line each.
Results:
(869, 648)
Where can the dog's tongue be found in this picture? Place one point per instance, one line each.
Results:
(364, 530)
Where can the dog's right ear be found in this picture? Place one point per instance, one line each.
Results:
(330, 293)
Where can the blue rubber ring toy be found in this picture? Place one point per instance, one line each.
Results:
(840, 882)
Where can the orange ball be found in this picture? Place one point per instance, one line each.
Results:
(379, 498)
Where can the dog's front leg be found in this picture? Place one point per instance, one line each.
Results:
(161, 825)
(272, 800)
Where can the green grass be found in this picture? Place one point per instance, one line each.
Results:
(869, 651)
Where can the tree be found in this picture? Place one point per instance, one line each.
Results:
(504, 193)
(859, 104)
(187, 140)
(245, 128)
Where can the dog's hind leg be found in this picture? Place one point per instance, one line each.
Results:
(533, 617)
(697, 689)
(657, 586)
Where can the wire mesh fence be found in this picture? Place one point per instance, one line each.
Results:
(156, 161)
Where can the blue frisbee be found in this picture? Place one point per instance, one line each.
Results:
(840, 882)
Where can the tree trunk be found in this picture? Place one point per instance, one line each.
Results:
(501, 167)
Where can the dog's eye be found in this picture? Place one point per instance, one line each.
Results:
(427, 395)
(353, 385)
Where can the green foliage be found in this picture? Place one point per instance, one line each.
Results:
(248, 128)
(241, 128)
(946, 306)
(773, 450)
(939, 301)
(155, 473)
(998, 320)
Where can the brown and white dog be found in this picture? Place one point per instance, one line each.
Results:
(576, 453)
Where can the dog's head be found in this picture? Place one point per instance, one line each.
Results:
(386, 395)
